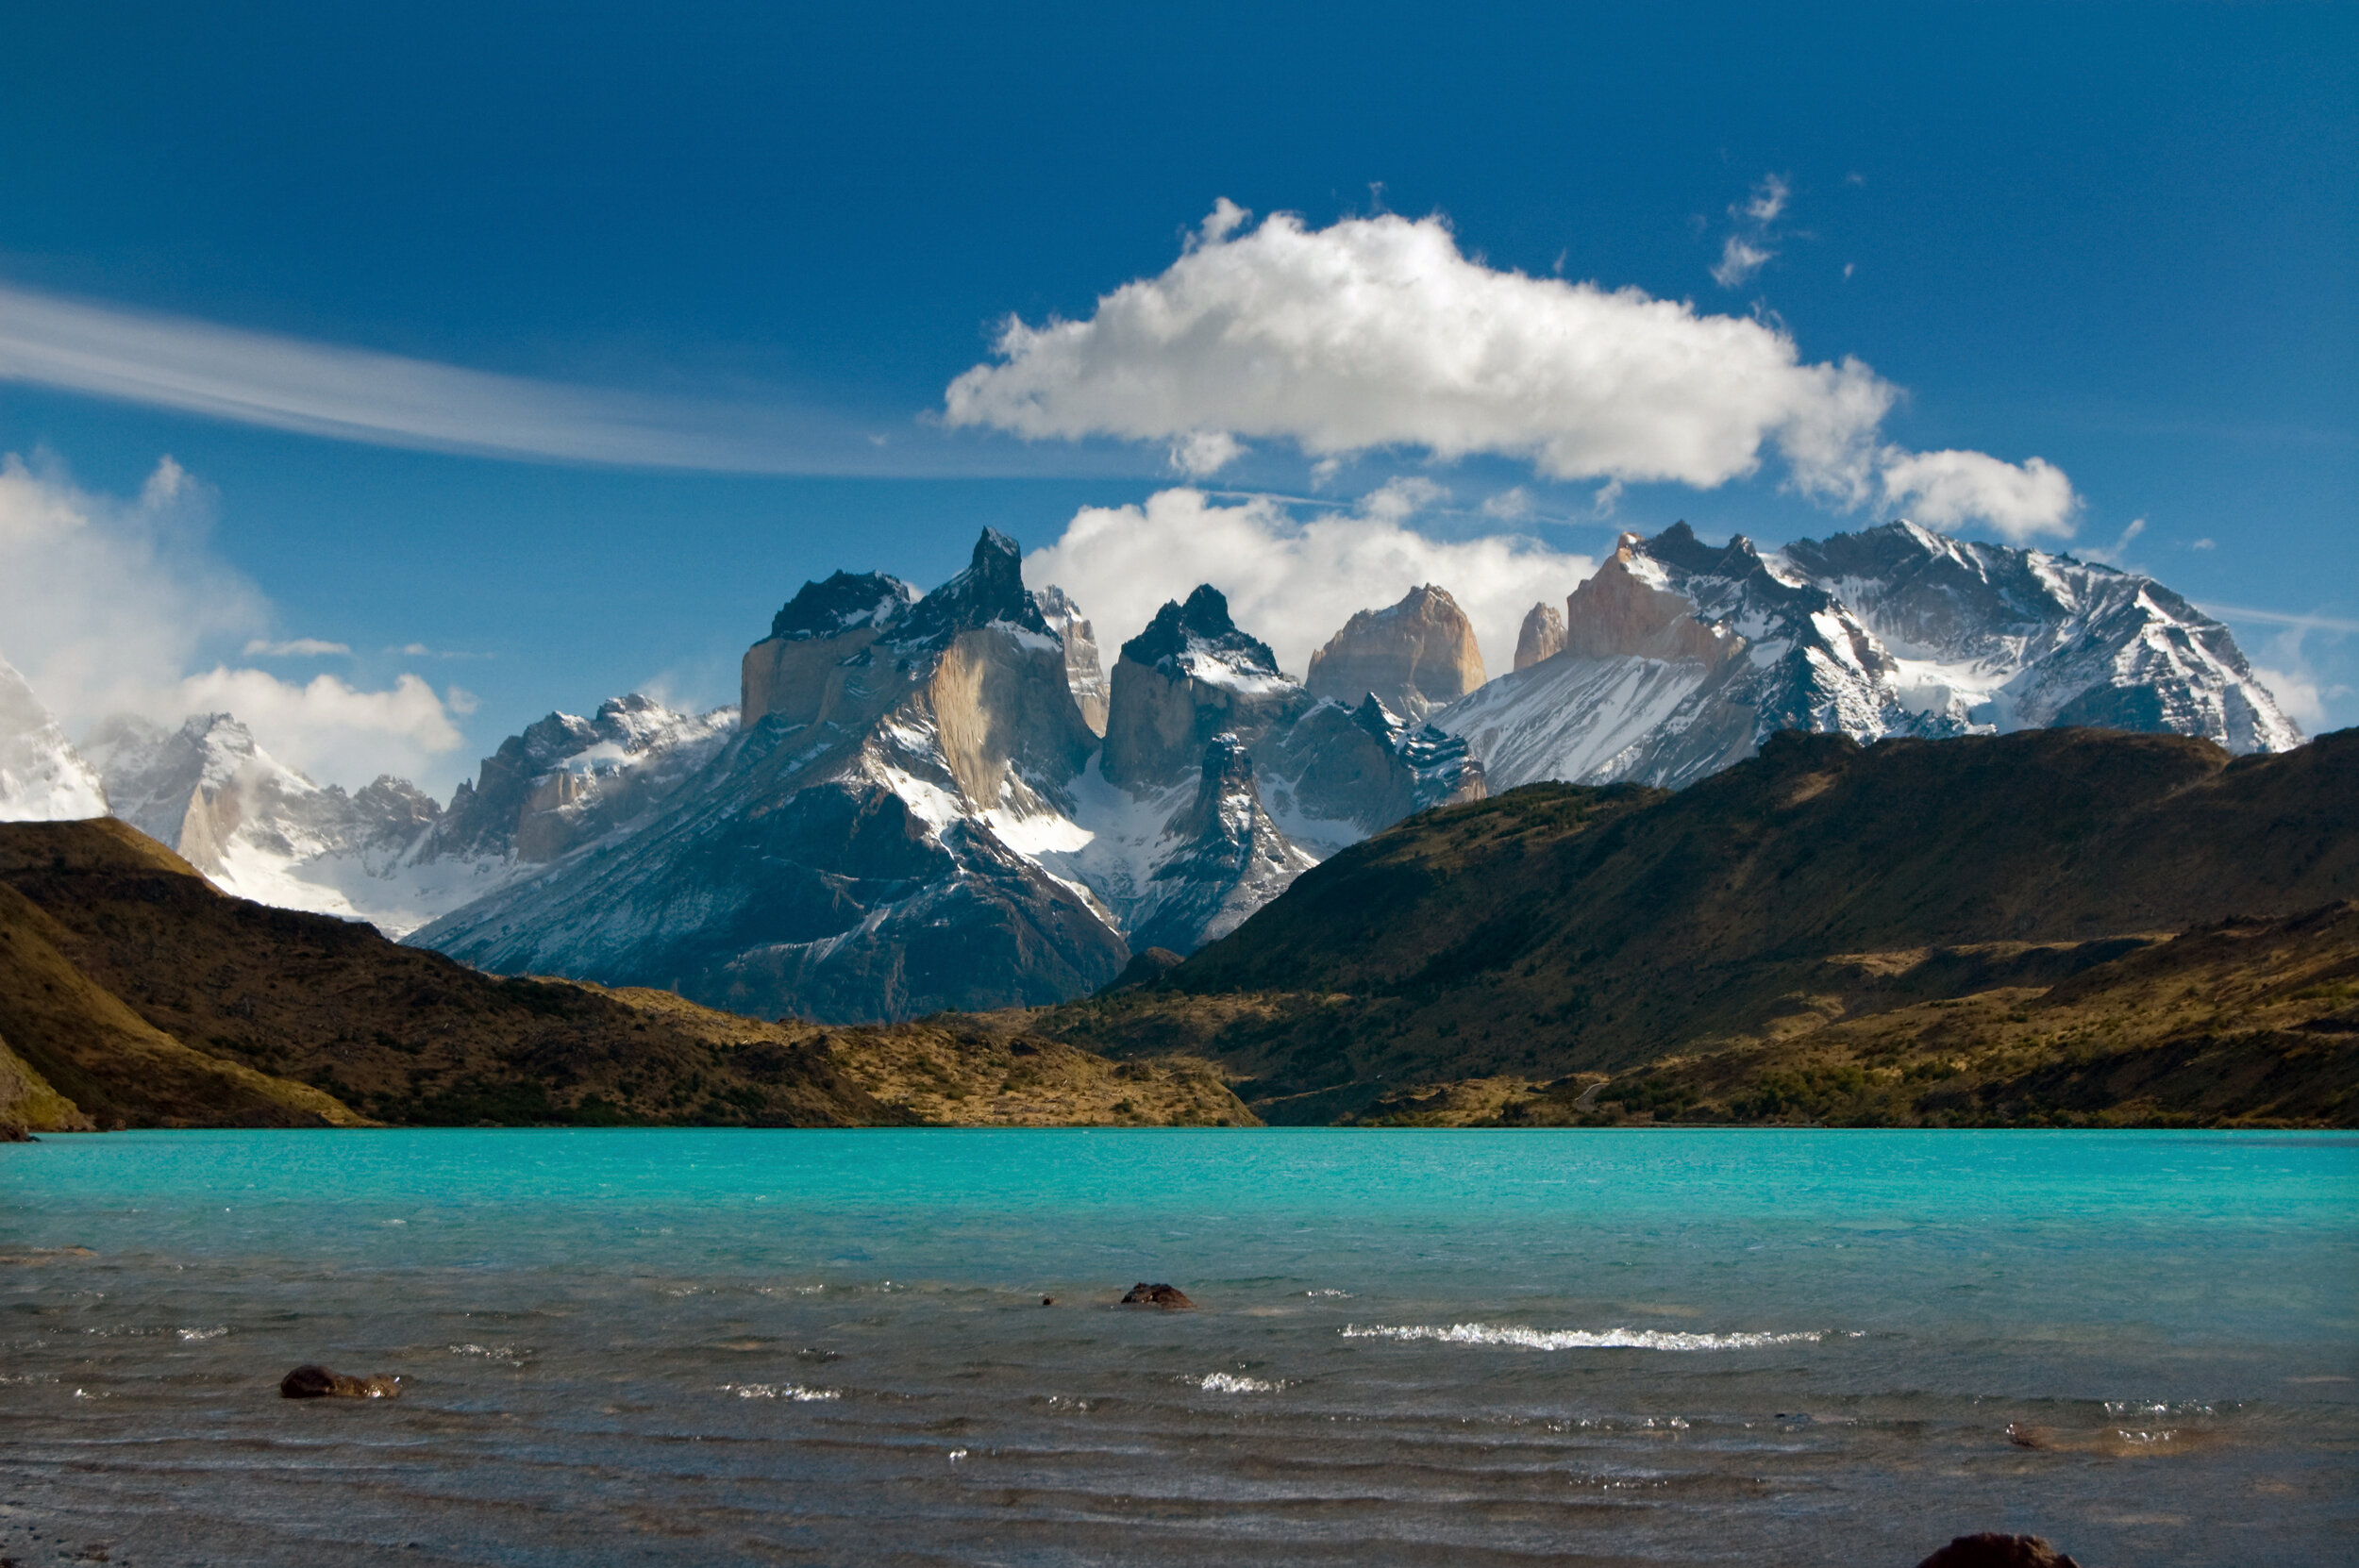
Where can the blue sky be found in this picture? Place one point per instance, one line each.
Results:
(744, 257)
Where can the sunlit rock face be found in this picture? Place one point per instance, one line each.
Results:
(1542, 636)
(1416, 657)
(1082, 671)
(1190, 675)
(1681, 658)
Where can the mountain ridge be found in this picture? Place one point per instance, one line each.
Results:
(1536, 931)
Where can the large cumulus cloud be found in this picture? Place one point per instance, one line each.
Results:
(1380, 333)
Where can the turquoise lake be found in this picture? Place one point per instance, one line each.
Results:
(1664, 1346)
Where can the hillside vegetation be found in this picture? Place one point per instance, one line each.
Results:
(2247, 1023)
(1559, 935)
(134, 994)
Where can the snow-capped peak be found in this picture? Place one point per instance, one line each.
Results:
(43, 778)
(1893, 630)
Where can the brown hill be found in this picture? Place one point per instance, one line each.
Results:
(146, 998)
(1556, 930)
(2247, 1023)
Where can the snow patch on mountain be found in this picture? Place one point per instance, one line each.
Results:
(43, 777)
(1680, 658)
(389, 854)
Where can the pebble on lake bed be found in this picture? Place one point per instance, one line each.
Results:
(1169, 1297)
(1989, 1550)
(318, 1382)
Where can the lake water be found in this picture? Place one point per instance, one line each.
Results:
(706, 1347)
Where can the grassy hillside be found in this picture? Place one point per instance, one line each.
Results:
(1556, 931)
(147, 997)
(102, 1062)
(2247, 1023)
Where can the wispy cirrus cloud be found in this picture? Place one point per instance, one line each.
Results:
(1747, 249)
(296, 647)
(391, 400)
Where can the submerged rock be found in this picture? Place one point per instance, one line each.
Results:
(1169, 1297)
(318, 1382)
(1990, 1550)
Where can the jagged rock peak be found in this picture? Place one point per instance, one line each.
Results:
(990, 591)
(1186, 633)
(843, 602)
(1083, 673)
(1418, 655)
(1542, 636)
(1376, 719)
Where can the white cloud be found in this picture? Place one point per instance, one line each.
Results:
(1945, 490)
(1739, 260)
(298, 647)
(2300, 694)
(1205, 452)
(1293, 584)
(2118, 551)
(1508, 504)
(109, 605)
(1746, 251)
(1767, 201)
(387, 399)
(325, 728)
(1378, 332)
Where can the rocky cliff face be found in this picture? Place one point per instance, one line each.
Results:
(1542, 636)
(1416, 657)
(2000, 638)
(260, 830)
(1190, 675)
(1681, 658)
(43, 778)
(567, 781)
(1082, 671)
(1227, 859)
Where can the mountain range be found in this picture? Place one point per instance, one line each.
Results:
(947, 801)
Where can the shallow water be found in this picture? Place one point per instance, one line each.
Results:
(1414, 1347)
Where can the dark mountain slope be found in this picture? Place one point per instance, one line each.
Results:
(146, 998)
(105, 1065)
(2246, 1023)
(1559, 928)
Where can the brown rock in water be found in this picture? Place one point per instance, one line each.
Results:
(1989, 1550)
(318, 1382)
(1542, 637)
(1170, 1298)
(1416, 656)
